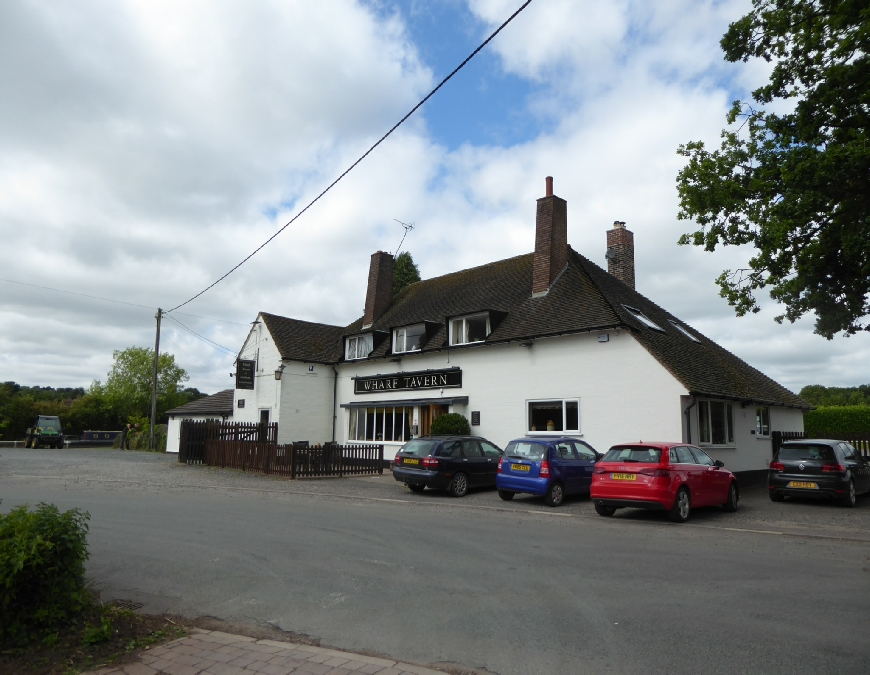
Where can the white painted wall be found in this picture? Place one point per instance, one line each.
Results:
(259, 347)
(625, 394)
(173, 429)
(749, 451)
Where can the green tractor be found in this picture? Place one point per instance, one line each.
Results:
(47, 433)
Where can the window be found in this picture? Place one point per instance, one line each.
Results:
(525, 450)
(584, 451)
(380, 424)
(640, 454)
(715, 423)
(469, 329)
(451, 450)
(358, 347)
(796, 451)
(762, 421)
(471, 449)
(848, 451)
(646, 321)
(702, 457)
(409, 338)
(558, 415)
(490, 450)
(684, 331)
(682, 455)
(565, 451)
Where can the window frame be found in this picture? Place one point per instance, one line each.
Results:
(563, 430)
(347, 340)
(759, 421)
(404, 329)
(464, 319)
(706, 440)
(358, 421)
(644, 319)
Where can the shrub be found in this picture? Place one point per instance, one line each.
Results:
(833, 421)
(451, 423)
(42, 571)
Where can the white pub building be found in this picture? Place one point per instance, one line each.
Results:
(544, 342)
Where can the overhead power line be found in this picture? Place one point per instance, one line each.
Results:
(364, 155)
(201, 337)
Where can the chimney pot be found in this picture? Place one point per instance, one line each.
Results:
(549, 181)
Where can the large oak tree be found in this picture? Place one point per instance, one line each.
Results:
(795, 185)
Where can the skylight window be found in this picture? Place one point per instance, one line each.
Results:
(646, 321)
(684, 331)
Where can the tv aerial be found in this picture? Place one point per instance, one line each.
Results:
(408, 227)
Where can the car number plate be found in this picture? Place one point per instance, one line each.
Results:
(623, 476)
(521, 467)
(410, 460)
(801, 484)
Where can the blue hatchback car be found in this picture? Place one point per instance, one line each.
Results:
(551, 467)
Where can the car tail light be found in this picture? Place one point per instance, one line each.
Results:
(598, 469)
(777, 466)
(545, 469)
(430, 462)
(500, 463)
(833, 468)
(397, 460)
(656, 473)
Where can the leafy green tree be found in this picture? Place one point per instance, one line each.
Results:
(405, 272)
(795, 185)
(819, 395)
(128, 386)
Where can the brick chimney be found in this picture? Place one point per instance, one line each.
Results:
(620, 253)
(551, 240)
(380, 290)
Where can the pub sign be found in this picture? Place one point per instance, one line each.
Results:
(425, 379)
(245, 374)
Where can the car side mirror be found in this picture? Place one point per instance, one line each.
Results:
(719, 463)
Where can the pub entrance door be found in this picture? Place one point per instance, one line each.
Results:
(428, 414)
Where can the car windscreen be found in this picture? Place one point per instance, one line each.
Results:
(799, 451)
(48, 423)
(420, 447)
(525, 450)
(633, 453)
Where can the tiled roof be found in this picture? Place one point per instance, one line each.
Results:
(305, 341)
(583, 298)
(217, 404)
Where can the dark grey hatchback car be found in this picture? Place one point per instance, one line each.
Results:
(818, 468)
(453, 463)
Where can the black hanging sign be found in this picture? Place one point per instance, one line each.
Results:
(426, 379)
(245, 374)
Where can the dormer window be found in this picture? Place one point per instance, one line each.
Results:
(409, 338)
(644, 319)
(358, 347)
(469, 329)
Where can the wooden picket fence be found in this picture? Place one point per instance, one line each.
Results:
(295, 460)
(861, 442)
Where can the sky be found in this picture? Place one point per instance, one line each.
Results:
(146, 147)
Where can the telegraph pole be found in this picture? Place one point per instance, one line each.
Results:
(154, 382)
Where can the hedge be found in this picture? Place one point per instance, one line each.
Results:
(42, 571)
(834, 421)
(450, 423)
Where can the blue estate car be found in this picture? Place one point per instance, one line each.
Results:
(552, 467)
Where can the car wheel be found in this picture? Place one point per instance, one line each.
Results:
(459, 485)
(851, 496)
(34, 443)
(602, 510)
(555, 495)
(682, 507)
(416, 487)
(507, 495)
(731, 505)
(776, 496)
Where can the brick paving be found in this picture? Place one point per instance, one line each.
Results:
(208, 652)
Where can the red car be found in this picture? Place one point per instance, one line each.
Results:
(672, 477)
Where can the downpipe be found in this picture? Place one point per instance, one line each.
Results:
(687, 413)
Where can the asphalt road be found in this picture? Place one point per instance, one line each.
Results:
(443, 581)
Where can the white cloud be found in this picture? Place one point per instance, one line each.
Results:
(149, 146)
